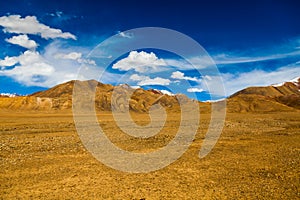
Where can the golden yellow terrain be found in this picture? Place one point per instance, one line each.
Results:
(256, 157)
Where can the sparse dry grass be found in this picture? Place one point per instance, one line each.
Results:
(257, 157)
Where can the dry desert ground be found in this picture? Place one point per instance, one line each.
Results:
(256, 157)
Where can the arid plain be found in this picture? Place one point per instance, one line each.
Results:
(256, 157)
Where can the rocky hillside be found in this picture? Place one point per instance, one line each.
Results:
(279, 97)
(282, 89)
(107, 97)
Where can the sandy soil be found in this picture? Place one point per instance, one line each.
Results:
(256, 157)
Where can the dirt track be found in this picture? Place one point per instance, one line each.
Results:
(257, 157)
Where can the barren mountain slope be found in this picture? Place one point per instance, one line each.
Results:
(283, 97)
(60, 98)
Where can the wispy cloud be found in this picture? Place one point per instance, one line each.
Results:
(234, 82)
(260, 78)
(70, 56)
(125, 34)
(203, 62)
(227, 59)
(30, 25)
(198, 62)
(56, 14)
(75, 56)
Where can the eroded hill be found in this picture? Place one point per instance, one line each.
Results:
(282, 97)
(106, 97)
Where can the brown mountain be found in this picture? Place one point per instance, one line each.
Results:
(281, 97)
(287, 88)
(60, 98)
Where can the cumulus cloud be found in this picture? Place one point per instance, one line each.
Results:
(56, 63)
(146, 80)
(77, 56)
(136, 77)
(8, 61)
(195, 90)
(155, 81)
(30, 25)
(23, 41)
(140, 62)
(32, 69)
(28, 57)
(180, 75)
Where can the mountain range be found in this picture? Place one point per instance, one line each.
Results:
(279, 97)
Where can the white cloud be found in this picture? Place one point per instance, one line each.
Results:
(181, 64)
(206, 61)
(75, 56)
(167, 92)
(35, 69)
(135, 87)
(229, 59)
(56, 64)
(234, 83)
(155, 81)
(192, 63)
(32, 69)
(70, 56)
(195, 90)
(23, 41)
(180, 75)
(57, 13)
(8, 61)
(125, 35)
(146, 80)
(136, 77)
(86, 61)
(140, 62)
(30, 25)
(207, 77)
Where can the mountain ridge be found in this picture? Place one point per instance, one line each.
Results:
(60, 96)
(287, 94)
(283, 97)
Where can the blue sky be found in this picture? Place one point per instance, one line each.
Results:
(252, 43)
